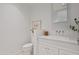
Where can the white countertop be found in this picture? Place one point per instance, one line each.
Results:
(60, 38)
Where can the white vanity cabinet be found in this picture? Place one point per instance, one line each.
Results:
(68, 52)
(52, 47)
(47, 50)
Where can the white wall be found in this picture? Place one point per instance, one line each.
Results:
(43, 12)
(73, 12)
(14, 27)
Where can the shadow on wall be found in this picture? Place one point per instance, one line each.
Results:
(12, 29)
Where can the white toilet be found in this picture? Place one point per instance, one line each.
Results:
(27, 49)
(30, 48)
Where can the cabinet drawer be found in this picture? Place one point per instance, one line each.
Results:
(47, 50)
(68, 52)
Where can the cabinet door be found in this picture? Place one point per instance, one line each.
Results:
(68, 52)
(47, 50)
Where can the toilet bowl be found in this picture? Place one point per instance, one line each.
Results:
(30, 48)
(27, 49)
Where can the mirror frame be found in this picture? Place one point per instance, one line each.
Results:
(56, 14)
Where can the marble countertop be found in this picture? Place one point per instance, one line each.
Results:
(60, 38)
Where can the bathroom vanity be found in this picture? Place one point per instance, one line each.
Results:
(57, 45)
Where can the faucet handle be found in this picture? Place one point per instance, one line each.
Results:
(62, 31)
(56, 31)
(78, 41)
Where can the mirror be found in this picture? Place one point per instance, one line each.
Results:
(59, 12)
